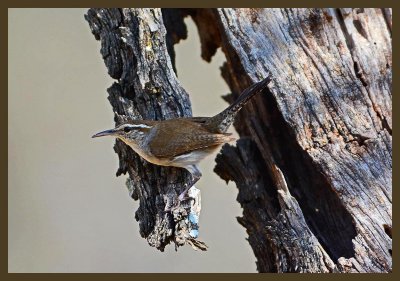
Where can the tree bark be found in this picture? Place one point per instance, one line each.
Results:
(314, 162)
(134, 49)
(318, 195)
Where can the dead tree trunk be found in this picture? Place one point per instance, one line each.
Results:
(314, 164)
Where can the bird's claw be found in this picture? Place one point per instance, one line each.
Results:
(184, 196)
(181, 198)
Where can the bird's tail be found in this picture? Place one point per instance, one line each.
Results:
(226, 117)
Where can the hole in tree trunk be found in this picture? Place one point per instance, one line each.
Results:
(388, 230)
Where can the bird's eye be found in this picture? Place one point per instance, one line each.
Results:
(127, 129)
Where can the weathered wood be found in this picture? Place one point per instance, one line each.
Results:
(134, 49)
(314, 165)
(326, 124)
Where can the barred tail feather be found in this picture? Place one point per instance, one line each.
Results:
(227, 116)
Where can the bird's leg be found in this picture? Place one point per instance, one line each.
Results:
(196, 175)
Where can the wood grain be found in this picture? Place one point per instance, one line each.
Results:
(326, 124)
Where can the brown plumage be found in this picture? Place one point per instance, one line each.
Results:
(192, 136)
(182, 142)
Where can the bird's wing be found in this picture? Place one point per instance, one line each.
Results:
(177, 137)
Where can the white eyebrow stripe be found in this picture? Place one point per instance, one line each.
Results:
(143, 126)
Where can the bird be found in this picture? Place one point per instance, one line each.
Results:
(182, 142)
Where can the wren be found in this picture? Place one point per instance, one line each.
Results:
(182, 142)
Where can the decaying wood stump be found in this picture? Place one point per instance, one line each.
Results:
(314, 164)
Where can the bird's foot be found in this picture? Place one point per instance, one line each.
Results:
(172, 205)
(184, 196)
(178, 205)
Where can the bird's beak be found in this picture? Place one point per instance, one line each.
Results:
(105, 133)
